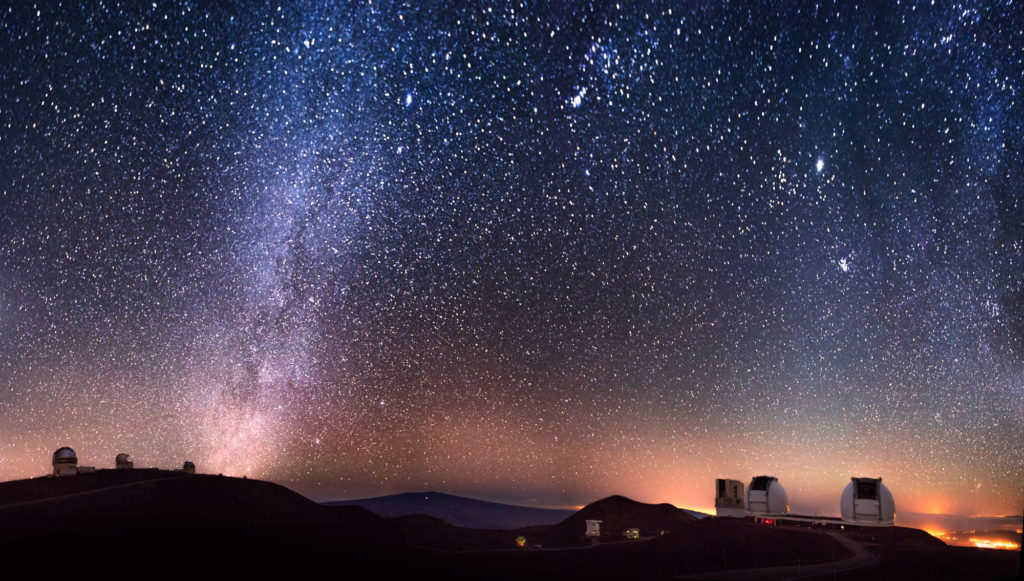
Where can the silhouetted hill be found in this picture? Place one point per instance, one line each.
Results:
(430, 532)
(617, 514)
(704, 547)
(738, 543)
(894, 536)
(457, 510)
(147, 516)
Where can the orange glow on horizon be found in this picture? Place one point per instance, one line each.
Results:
(935, 507)
(705, 509)
(994, 544)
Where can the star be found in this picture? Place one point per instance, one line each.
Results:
(370, 241)
(577, 99)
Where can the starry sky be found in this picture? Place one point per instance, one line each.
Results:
(528, 252)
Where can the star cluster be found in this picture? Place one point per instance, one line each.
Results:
(528, 252)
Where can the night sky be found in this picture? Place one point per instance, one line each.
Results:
(522, 252)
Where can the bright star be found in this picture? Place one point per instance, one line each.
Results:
(820, 165)
(577, 99)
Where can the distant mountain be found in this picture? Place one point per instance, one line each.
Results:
(617, 514)
(459, 511)
(695, 514)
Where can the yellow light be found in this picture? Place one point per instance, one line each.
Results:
(991, 544)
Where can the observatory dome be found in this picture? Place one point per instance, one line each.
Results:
(867, 500)
(766, 496)
(65, 462)
(65, 455)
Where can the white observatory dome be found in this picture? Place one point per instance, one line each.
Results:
(867, 500)
(766, 496)
(65, 462)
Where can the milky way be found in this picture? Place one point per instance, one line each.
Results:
(524, 252)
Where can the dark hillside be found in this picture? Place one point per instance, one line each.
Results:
(147, 516)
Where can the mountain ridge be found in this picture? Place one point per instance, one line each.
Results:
(460, 511)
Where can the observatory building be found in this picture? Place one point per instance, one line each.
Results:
(65, 462)
(766, 496)
(123, 462)
(729, 498)
(867, 501)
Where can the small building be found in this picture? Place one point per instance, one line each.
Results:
(123, 462)
(65, 462)
(729, 498)
(633, 533)
(867, 501)
(766, 496)
(188, 467)
(594, 528)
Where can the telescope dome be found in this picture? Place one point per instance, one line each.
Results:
(867, 500)
(766, 496)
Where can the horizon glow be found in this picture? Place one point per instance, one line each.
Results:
(533, 256)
